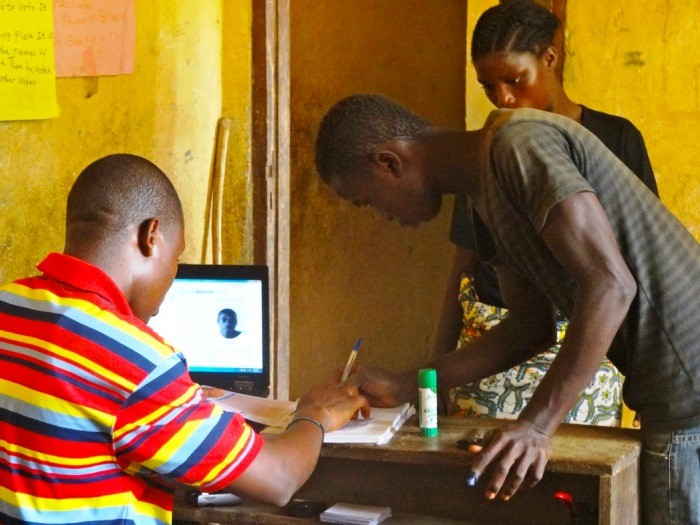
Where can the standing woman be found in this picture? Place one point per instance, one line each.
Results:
(516, 64)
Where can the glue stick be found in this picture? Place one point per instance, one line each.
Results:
(427, 402)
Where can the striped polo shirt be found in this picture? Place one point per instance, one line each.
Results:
(98, 415)
(531, 161)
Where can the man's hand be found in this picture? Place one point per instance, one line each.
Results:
(383, 388)
(333, 405)
(516, 453)
(287, 460)
(209, 392)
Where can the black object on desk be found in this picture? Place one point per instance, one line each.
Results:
(303, 508)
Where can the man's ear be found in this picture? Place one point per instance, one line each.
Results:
(550, 58)
(388, 162)
(148, 233)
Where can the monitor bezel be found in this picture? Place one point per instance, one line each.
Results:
(260, 382)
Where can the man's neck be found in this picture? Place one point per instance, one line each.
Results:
(454, 159)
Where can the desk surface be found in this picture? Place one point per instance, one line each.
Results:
(575, 448)
(594, 453)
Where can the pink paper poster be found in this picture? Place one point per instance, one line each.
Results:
(94, 37)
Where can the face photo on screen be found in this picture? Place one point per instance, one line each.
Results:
(228, 320)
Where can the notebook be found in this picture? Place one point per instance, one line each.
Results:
(218, 317)
(378, 429)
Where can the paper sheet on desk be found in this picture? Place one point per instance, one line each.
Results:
(268, 412)
(378, 429)
(355, 514)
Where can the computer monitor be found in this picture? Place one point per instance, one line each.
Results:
(218, 317)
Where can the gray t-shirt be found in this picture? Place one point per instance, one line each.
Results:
(533, 160)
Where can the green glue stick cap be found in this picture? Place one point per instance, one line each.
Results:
(427, 378)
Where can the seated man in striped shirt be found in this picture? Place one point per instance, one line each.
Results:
(97, 414)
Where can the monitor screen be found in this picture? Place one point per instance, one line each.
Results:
(218, 317)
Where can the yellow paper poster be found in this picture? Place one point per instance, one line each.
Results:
(94, 37)
(27, 76)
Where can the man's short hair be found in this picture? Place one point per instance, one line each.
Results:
(355, 126)
(228, 312)
(119, 191)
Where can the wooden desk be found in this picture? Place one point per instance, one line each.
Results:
(423, 481)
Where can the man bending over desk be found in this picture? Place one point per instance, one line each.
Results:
(567, 226)
(97, 414)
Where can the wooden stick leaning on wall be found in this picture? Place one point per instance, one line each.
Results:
(218, 180)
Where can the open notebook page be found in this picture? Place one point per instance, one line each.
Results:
(378, 429)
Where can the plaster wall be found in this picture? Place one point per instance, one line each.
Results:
(641, 60)
(353, 274)
(167, 111)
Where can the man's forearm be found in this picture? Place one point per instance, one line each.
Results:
(598, 314)
(579, 236)
(506, 345)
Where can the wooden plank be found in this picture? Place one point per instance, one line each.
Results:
(271, 168)
(413, 475)
(251, 513)
(619, 497)
(440, 490)
(283, 199)
(576, 449)
(263, 187)
(261, 515)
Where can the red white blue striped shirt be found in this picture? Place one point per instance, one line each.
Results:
(97, 414)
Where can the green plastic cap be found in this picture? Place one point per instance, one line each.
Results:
(427, 378)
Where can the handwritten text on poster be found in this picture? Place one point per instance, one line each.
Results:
(94, 37)
(27, 76)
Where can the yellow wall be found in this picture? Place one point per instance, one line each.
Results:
(478, 106)
(236, 67)
(639, 60)
(193, 65)
(166, 111)
(353, 274)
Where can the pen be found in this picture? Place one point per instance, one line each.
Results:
(351, 360)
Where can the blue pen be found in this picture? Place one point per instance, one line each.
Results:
(351, 360)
